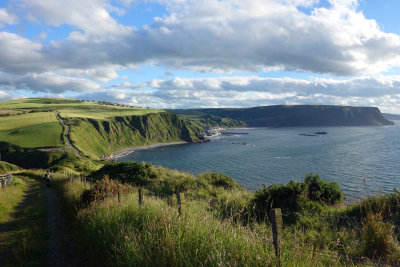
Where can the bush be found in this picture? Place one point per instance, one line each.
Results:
(134, 173)
(378, 241)
(296, 196)
(322, 191)
(220, 180)
(102, 189)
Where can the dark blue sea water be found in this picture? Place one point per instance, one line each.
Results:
(363, 160)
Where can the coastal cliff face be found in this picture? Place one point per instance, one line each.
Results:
(300, 115)
(102, 137)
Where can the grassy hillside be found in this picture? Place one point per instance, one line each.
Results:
(28, 126)
(73, 108)
(40, 135)
(37, 129)
(7, 167)
(223, 225)
(102, 137)
(297, 115)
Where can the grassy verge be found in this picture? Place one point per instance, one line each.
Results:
(218, 227)
(10, 197)
(125, 234)
(24, 232)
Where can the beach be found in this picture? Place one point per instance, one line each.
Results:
(130, 150)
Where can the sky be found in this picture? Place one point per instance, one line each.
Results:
(208, 53)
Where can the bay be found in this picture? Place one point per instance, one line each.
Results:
(363, 160)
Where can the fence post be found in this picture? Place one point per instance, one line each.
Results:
(276, 221)
(119, 194)
(140, 196)
(179, 200)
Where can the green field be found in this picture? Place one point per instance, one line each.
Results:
(25, 120)
(73, 108)
(40, 135)
(96, 129)
(32, 122)
(37, 129)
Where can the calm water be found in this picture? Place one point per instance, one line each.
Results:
(347, 155)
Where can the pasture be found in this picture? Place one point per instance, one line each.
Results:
(72, 108)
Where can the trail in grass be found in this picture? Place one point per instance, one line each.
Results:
(66, 126)
(37, 233)
(10, 231)
(60, 245)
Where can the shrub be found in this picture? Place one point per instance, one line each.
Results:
(220, 180)
(134, 173)
(377, 240)
(102, 189)
(297, 196)
(284, 196)
(322, 191)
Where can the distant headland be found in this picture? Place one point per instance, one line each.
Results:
(288, 116)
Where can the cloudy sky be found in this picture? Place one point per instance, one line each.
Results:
(203, 53)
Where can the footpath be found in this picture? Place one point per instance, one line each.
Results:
(44, 235)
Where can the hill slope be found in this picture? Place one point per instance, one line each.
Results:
(297, 115)
(102, 137)
(32, 136)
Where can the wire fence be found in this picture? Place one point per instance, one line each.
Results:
(337, 256)
(5, 180)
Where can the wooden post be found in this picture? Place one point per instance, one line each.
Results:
(119, 194)
(276, 221)
(140, 196)
(179, 200)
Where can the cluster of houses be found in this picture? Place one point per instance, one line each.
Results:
(211, 131)
(106, 103)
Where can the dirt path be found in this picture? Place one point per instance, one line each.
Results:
(66, 136)
(16, 222)
(38, 231)
(60, 246)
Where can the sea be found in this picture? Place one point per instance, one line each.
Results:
(364, 161)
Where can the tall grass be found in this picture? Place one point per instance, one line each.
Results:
(212, 232)
(10, 197)
(25, 233)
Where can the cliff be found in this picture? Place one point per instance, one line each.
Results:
(298, 115)
(102, 137)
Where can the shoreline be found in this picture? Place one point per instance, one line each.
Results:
(129, 150)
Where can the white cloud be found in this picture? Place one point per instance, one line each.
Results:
(380, 91)
(90, 16)
(208, 35)
(7, 18)
(45, 82)
(20, 55)
(224, 36)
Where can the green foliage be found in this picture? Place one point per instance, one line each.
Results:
(134, 173)
(35, 159)
(323, 191)
(103, 188)
(102, 137)
(296, 196)
(220, 180)
(387, 206)
(378, 239)
(7, 167)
